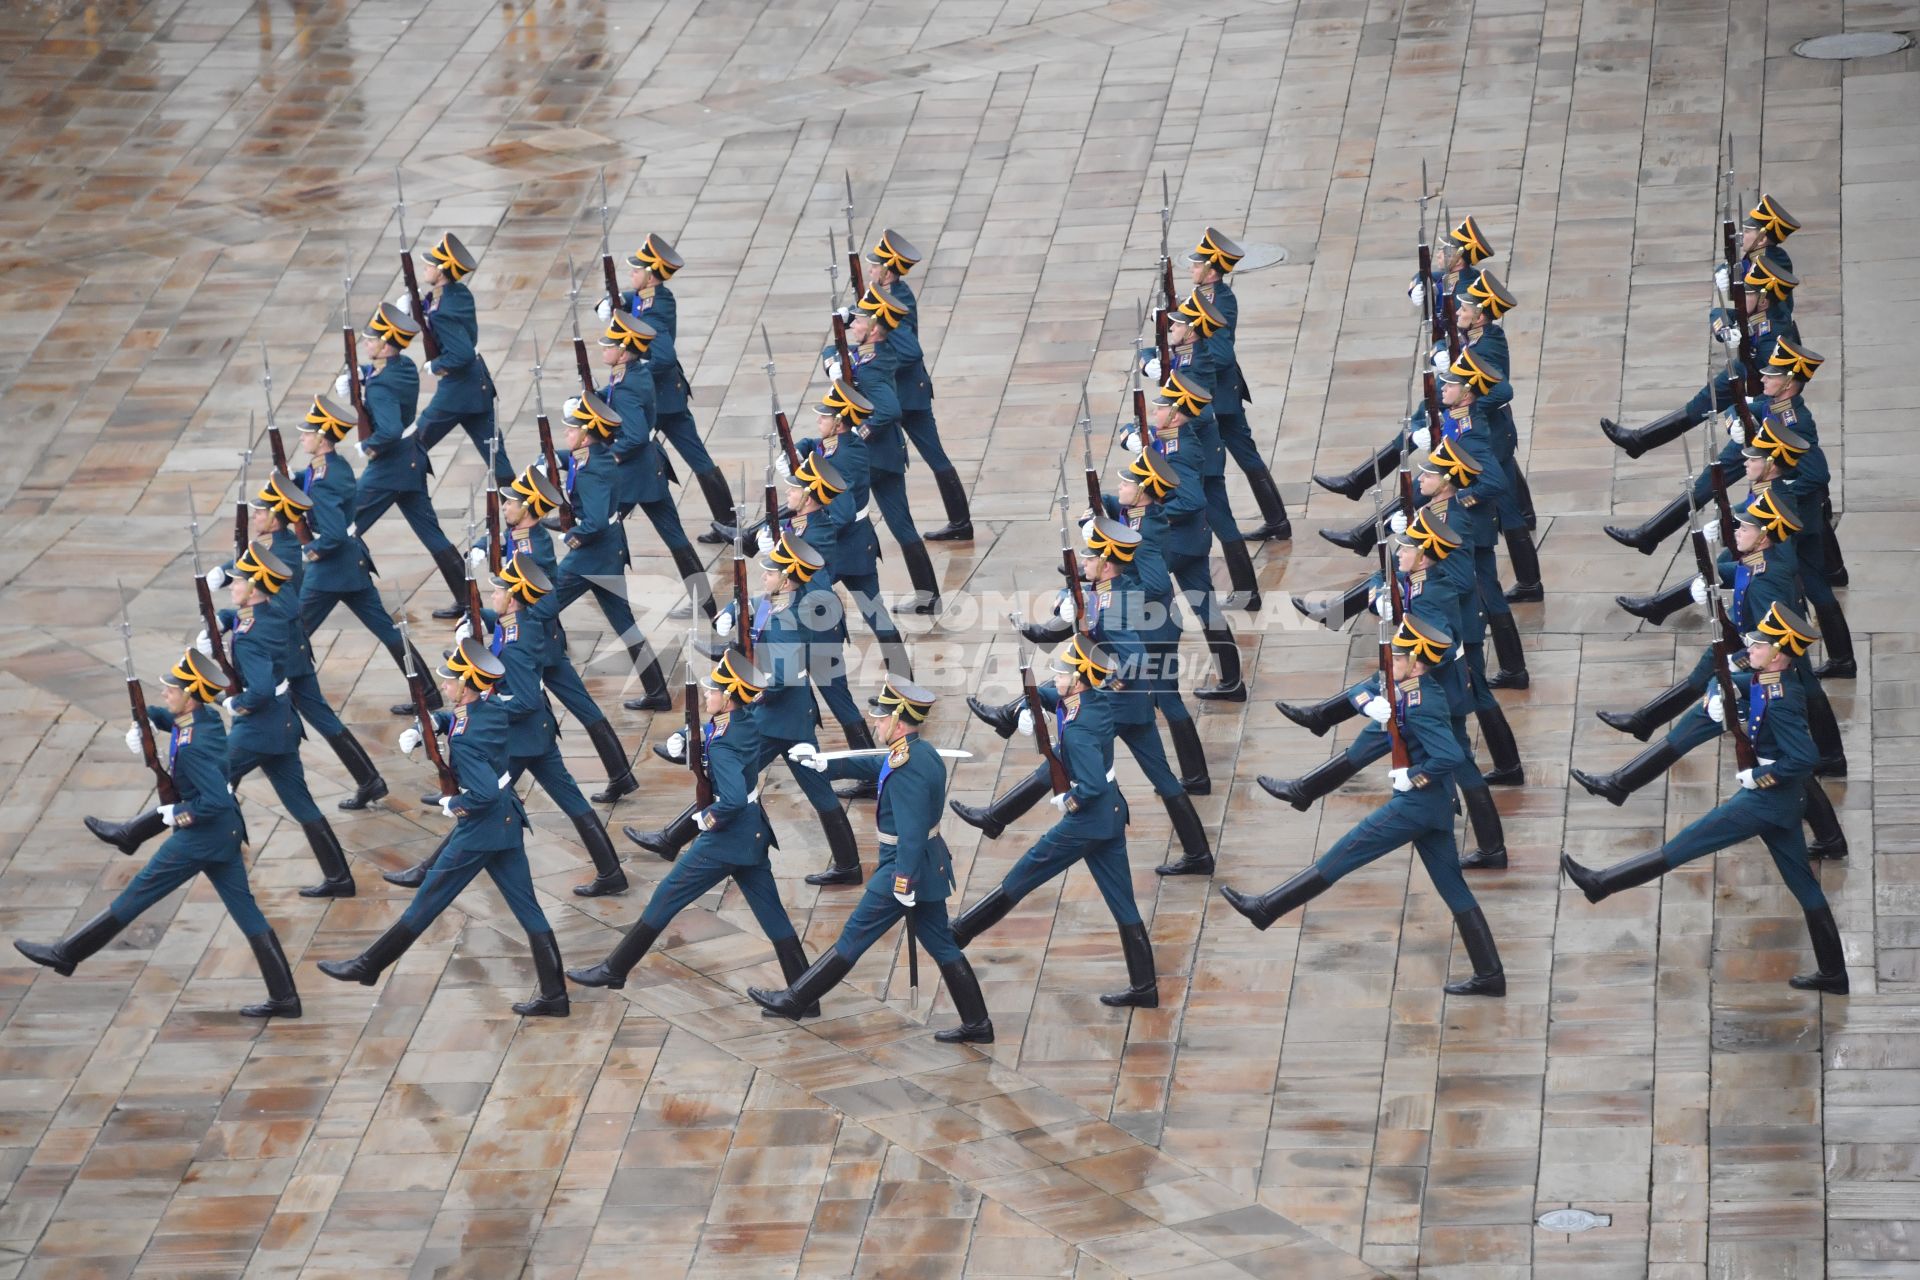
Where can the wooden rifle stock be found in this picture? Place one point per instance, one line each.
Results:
(1401, 760)
(356, 392)
(1161, 323)
(162, 780)
(840, 347)
(211, 621)
(1043, 732)
(614, 296)
(428, 343)
(697, 747)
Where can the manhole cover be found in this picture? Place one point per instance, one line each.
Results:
(1573, 1220)
(1853, 44)
(1258, 256)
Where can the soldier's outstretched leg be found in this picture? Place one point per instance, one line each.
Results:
(1636, 773)
(1665, 705)
(1662, 430)
(1323, 780)
(1661, 525)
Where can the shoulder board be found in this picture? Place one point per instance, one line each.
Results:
(720, 722)
(1770, 677)
(782, 602)
(899, 753)
(866, 350)
(798, 524)
(646, 295)
(1417, 579)
(1755, 560)
(1205, 291)
(319, 467)
(1072, 704)
(459, 721)
(245, 621)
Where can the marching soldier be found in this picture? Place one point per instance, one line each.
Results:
(338, 568)
(1769, 319)
(734, 842)
(1420, 810)
(1210, 264)
(1116, 608)
(597, 557)
(206, 840)
(1768, 804)
(915, 874)
(651, 300)
(489, 832)
(888, 263)
(1092, 826)
(517, 636)
(1464, 248)
(465, 394)
(870, 329)
(856, 547)
(1762, 233)
(275, 508)
(397, 462)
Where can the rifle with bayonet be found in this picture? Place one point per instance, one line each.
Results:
(242, 512)
(356, 391)
(1728, 642)
(208, 617)
(840, 347)
(696, 739)
(417, 690)
(137, 700)
(494, 550)
(781, 425)
(1425, 254)
(771, 495)
(1070, 565)
(1166, 255)
(476, 624)
(545, 428)
(1096, 505)
(1443, 311)
(1737, 281)
(274, 442)
(742, 596)
(856, 276)
(580, 361)
(606, 247)
(1042, 725)
(429, 344)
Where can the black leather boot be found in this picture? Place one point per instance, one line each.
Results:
(414, 876)
(1362, 538)
(1364, 476)
(801, 998)
(926, 586)
(337, 877)
(1604, 883)
(693, 577)
(793, 967)
(981, 916)
(1828, 841)
(653, 685)
(1636, 773)
(1006, 808)
(365, 968)
(1661, 525)
(1512, 673)
(127, 837)
(1830, 543)
(1048, 633)
(608, 878)
(713, 486)
(1497, 735)
(670, 839)
(63, 956)
(283, 998)
(1824, 728)
(613, 758)
(400, 653)
(1829, 957)
(859, 738)
(1226, 686)
(367, 783)
(1274, 525)
(1838, 639)
(953, 496)
(1318, 717)
(1483, 818)
(1661, 430)
(1661, 605)
(1196, 855)
(844, 850)
(1335, 611)
(1263, 909)
(612, 972)
(551, 1002)
(1143, 989)
(1643, 721)
(1244, 582)
(1527, 587)
(453, 569)
(1323, 779)
(1488, 979)
(1523, 495)
(975, 1026)
(1003, 718)
(1189, 756)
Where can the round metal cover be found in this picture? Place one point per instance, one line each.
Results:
(1258, 256)
(1573, 1220)
(1853, 44)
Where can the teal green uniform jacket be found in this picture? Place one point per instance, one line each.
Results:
(913, 790)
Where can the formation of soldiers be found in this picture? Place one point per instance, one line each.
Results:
(1446, 490)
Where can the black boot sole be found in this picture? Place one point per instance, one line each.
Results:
(272, 1009)
(966, 1035)
(375, 790)
(544, 1007)
(331, 889)
(1482, 861)
(1245, 602)
(1491, 985)
(602, 886)
(1509, 680)
(340, 972)
(1832, 984)
(1526, 593)
(1837, 671)
(44, 957)
(1148, 998)
(836, 876)
(1832, 851)
(1186, 867)
(411, 878)
(651, 702)
(613, 795)
(952, 533)
(1269, 533)
(1213, 693)
(1276, 790)
(1514, 777)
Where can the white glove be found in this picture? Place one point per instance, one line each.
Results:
(1402, 779)
(1130, 440)
(202, 643)
(1711, 530)
(359, 449)
(567, 410)
(1726, 334)
(216, 578)
(1151, 367)
(1746, 780)
(343, 386)
(410, 739)
(1397, 522)
(604, 309)
(1025, 725)
(1381, 603)
(166, 813)
(723, 624)
(134, 744)
(1059, 801)
(763, 541)
(1422, 439)
(1698, 589)
(1721, 279)
(832, 366)
(704, 820)
(1415, 294)
(464, 631)
(907, 899)
(1064, 610)
(280, 690)
(477, 557)
(1377, 709)
(807, 755)
(446, 806)
(405, 303)
(677, 744)
(1716, 708)
(227, 704)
